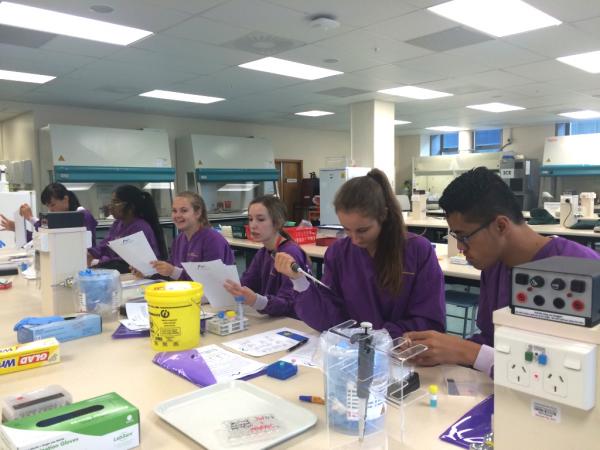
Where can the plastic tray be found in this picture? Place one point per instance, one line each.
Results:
(200, 414)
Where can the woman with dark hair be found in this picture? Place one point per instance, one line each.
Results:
(379, 273)
(134, 210)
(196, 241)
(57, 198)
(264, 289)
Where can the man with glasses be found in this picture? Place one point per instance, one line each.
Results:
(484, 216)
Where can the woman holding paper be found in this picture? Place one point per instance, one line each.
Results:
(57, 198)
(133, 210)
(379, 273)
(197, 240)
(264, 289)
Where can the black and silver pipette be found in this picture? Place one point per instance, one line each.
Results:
(366, 362)
(296, 268)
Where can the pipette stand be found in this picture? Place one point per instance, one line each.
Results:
(387, 402)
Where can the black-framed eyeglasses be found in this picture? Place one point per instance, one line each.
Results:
(464, 239)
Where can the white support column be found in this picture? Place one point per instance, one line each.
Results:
(372, 136)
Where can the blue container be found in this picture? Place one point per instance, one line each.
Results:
(99, 292)
(340, 367)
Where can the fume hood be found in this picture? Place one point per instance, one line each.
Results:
(227, 171)
(93, 161)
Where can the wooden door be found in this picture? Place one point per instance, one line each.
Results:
(290, 178)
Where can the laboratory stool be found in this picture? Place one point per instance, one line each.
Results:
(467, 302)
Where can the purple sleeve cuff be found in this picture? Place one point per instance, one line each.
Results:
(300, 284)
(260, 303)
(485, 360)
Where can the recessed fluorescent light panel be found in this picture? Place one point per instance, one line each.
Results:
(39, 19)
(181, 97)
(590, 62)
(24, 77)
(401, 122)
(445, 129)
(495, 107)
(314, 113)
(496, 17)
(289, 68)
(414, 92)
(585, 114)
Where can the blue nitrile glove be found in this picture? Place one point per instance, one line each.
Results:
(2, 244)
(36, 321)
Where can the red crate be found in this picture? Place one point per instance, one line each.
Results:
(302, 235)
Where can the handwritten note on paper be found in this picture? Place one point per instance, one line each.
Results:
(136, 251)
(212, 275)
(227, 366)
(265, 343)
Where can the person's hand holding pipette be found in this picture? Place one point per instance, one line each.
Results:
(237, 290)
(284, 264)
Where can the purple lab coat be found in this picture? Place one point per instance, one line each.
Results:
(88, 221)
(118, 230)
(206, 244)
(263, 279)
(350, 272)
(495, 284)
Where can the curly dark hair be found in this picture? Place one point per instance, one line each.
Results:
(481, 195)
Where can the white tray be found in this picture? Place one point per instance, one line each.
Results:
(200, 414)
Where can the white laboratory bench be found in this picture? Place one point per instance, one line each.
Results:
(98, 364)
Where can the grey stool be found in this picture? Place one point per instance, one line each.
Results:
(466, 301)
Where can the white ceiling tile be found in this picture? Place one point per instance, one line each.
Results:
(396, 75)
(498, 79)
(357, 13)
(496, 54)
(40, 61)
(146, 59)
(568, 11)
(377, 47)
(190, 6)
(413, 25)
(195, 50)
(444, 65)
(557, 41)
(315, 55)
(270, 18)
(206, 30)
(590, 26)
(544, 70)
(81, 47)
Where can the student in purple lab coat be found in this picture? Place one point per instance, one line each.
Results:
(485, 218)
(134, 210)
(379, 273)
(57, 198)
(262, 287)
(196, 241)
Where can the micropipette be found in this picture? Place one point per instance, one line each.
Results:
(366, 362)
(296, 268)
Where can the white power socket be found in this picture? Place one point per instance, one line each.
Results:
(544, 366)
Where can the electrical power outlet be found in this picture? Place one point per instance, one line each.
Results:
(555, 382)
(566, 374)
(519, 373)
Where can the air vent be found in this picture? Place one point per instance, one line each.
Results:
(263, 43)
(449, 39)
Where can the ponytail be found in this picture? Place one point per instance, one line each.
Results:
(372, 196)
(73, 201)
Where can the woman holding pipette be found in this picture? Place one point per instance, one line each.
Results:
(134, 210)
(57, 198)
(263, 288)
(379, 273)
(196, 241)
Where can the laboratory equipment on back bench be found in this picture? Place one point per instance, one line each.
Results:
(559, 288)
(227, 171)
(523, 178)
(62, 252)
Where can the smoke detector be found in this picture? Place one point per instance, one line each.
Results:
(324, 22)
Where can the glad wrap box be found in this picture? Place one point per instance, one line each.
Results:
(29, 356)
(100, 423)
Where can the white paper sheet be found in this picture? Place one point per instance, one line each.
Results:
(212, 275)
(227, 366)
(265, 343)
(137, 316)
(136, 251)
(306, 355)
(20, 230)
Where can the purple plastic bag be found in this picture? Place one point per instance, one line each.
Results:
(188, 364)
(473, 426)
(123, 332)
